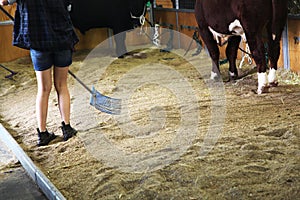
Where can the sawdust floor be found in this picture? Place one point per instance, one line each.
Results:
(179, 136)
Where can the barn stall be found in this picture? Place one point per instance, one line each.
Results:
(167, 14)
(252, 155)
(180, 17)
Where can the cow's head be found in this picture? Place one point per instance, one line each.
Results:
(137, 11)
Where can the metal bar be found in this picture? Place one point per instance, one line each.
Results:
(174, 9)
(177, 24)
(32, 170)
(189, 27)
(7, 22)
(110, 39)
(285, 48)
(81, 83)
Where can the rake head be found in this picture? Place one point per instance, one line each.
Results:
(104, 103)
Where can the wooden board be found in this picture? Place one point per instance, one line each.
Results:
(164, 3)
(91, 38)
(8, 51)
(294, 47)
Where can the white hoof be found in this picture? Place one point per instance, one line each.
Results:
(214, 76)
(262, 90)
(272, 76)
(262, 82)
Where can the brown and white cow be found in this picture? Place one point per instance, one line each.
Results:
(247, 19)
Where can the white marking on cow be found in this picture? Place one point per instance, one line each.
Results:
(235, 28)
(216, 34)
(213, 75)
(262, 82)
(69, 8)
(272, 76)
(246, 56)
(231, 74)
(273, 36)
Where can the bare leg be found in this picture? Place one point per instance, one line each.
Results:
(44, 82)
(61, 87)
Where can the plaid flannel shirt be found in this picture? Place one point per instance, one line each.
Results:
(43, 25)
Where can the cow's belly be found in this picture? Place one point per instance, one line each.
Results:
(234, 28)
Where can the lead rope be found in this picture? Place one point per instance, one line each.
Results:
(142, 20)
(156, 40)
(246, 56)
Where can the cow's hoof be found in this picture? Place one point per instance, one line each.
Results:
(232, 79)
(273, 84)
(124, 55)
(232, 76)
(217, 79)
(262, 90)
(215, 76)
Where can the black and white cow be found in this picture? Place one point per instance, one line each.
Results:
(249, 19)
(119, 15)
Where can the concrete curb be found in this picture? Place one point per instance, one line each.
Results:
(33, 171)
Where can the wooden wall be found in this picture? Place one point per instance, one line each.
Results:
(294, 47)
(186, 25)
(8, 52)
(91, 38)
(88, 40)
(164, 3)
(184, 22)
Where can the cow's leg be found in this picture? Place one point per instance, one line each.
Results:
(213, 50)
(120, 44)
(273, 54)
(258, 51)
(231, 54)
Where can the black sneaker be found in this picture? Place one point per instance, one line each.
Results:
(68, 131)
(45, 137)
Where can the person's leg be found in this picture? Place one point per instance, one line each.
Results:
(63, 95)
(44, 83)
(42, 62)
(62, 61)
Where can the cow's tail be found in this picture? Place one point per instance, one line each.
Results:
(279, 17)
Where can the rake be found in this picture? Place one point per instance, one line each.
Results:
(12, 73)
(101, 102)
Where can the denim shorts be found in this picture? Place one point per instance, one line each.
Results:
(43, 60)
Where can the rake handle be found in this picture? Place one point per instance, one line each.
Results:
(81, 83)
(6, 13)
(11, 71)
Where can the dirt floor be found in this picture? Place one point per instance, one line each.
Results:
(180, 135)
